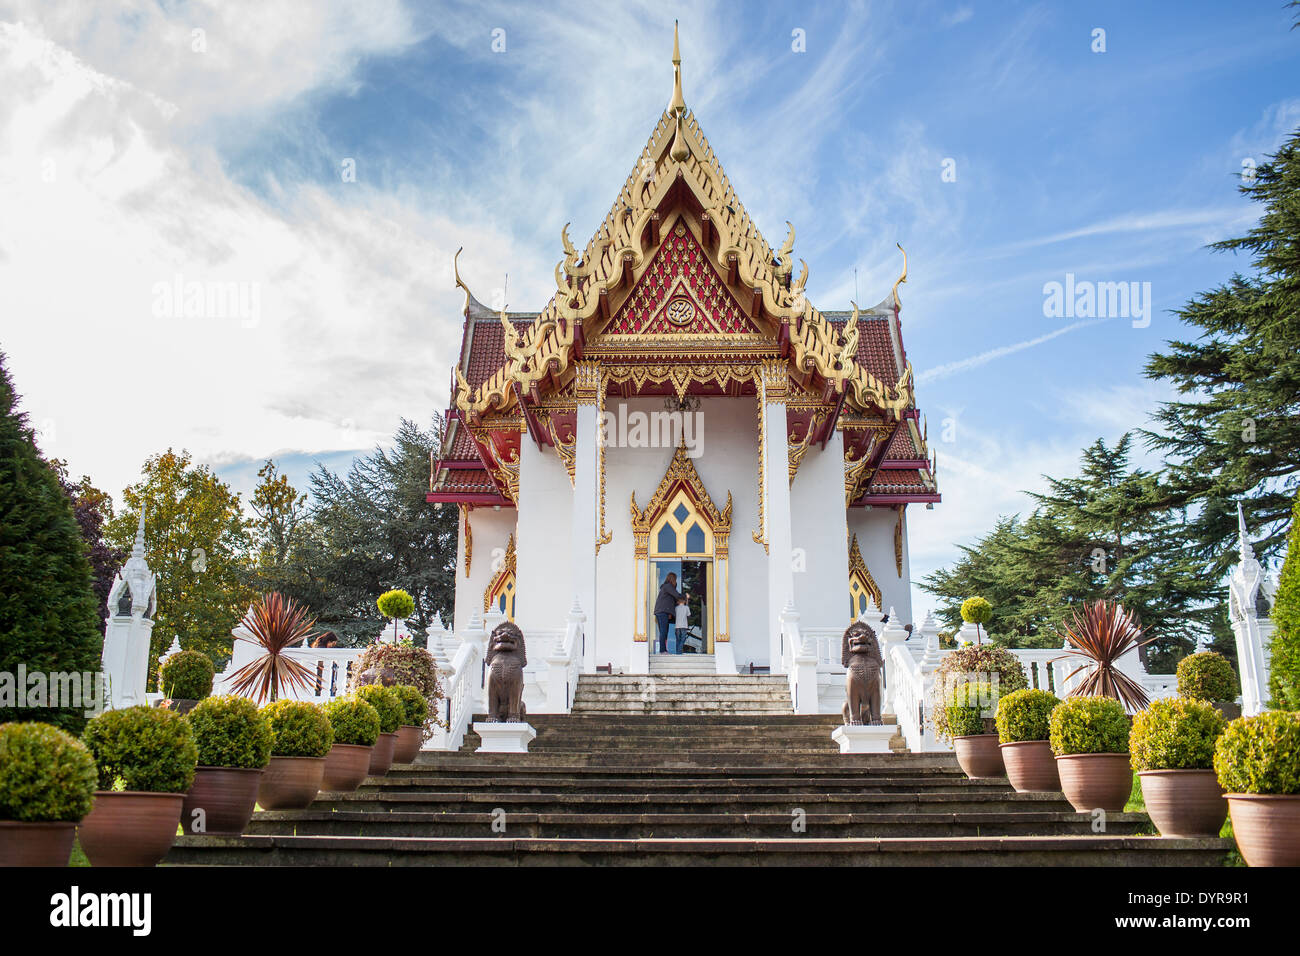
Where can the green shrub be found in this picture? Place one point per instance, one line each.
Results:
(966, 707)
(1206, 676)
(186, 675)
(298, 729)
(231, 732)
(387, 703)
(354, 721)
(1025, 715)
(396, 604)
(985, 664)
(1260, 754)
(1089, 725)
(46, 774)
(415, 708)
(143, 748)
(1175, 734)
(1284, 645)
(411, 665)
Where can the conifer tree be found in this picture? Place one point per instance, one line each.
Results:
(49, 618)
(1284, 666)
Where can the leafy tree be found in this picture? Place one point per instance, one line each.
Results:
(1236, 435)
(277, 531)
(93, 509)
(49, 620)
(372, 531)
(197, 543)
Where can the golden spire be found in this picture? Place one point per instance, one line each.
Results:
(677, 105)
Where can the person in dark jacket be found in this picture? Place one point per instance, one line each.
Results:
(665, 607)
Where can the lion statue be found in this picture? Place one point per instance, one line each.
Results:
(506, 658)
(860, 654)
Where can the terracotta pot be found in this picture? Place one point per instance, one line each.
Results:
(36, 844)
(979, 756)
(1267, 827)
(407, 745)
(1031, 767)
(346, 765)
(290, 783)
(1184, 803)
(130, 828)
(381, 758)
(1095, 781)
(226, 795)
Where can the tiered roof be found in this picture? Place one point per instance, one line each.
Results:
(746, 304)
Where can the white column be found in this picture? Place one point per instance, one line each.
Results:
(776, 504)
(893, 634)
(724, 655)
(586, 483)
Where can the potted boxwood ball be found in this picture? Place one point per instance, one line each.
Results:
(977, 750)
(1024, 724)
(1172, 743)
(146, 759)
(1258, 763)
(184, 679)
(410, 733)
(47, 784)
(234, 742)
(1089, 736)
(390, 709)
(1209, 677)
(301, 736)
(356, 728)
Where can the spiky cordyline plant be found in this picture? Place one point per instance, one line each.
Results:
(1101, 635)
(276, 623)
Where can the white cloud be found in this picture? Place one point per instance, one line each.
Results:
(983, 358)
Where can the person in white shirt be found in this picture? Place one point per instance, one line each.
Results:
(683, 622)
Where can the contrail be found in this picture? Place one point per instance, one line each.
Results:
(975, 361)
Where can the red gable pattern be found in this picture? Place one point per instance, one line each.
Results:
(680, 272)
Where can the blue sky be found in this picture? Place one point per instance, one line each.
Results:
(128, 156)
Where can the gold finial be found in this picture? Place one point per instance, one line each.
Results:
(677, 105)
(901, 279)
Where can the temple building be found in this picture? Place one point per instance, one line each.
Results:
(680, 407)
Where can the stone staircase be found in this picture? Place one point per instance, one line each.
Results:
(685, 784)
(678, 693)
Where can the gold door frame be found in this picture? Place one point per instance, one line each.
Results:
(681, 477)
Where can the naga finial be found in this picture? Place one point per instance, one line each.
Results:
(900, 280)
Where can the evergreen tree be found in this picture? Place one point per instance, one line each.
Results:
(94, 509)
(371, 531)
(1236, 436)
(1105, 533)
(279, 529)
(197, 543)
(49, 621)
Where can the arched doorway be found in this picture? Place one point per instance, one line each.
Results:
(682, 532)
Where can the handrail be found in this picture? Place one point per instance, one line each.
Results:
(462, 693)
(908, 688)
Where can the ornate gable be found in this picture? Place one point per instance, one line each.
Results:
(680, 295)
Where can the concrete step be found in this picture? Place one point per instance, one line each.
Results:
(634, 826)
(1081, 850)
(792, 785)
(691, 801)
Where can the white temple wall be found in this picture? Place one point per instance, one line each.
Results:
(817, 519)
(544, 566)
(875, 530)
(491, 528)
(727, 463)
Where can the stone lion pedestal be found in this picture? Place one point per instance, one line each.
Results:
(501, 737)
(863, 738)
